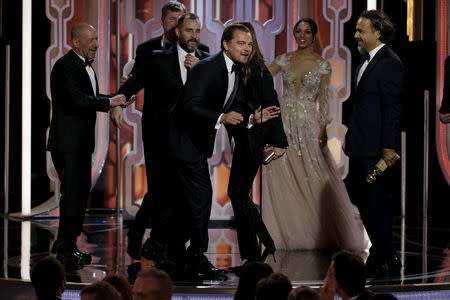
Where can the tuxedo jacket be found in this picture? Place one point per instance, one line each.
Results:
(74, 106)
(259, 91)
(159, 74)
(375, 120)
(195, 115)
(144, 52)
(445, 106)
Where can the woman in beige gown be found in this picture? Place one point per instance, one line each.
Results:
(305, 203)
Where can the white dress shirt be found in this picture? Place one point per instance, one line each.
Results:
(91, 74)
(181, 57)
(366, 62)
(231, 78)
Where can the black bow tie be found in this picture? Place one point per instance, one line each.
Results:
(167, 45)
(234, 68)
(88, 62)
(366, 56)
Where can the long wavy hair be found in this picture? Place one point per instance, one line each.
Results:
(255, 56)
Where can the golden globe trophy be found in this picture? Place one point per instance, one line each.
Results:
(380, 167)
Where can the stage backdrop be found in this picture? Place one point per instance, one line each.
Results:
(118, 163)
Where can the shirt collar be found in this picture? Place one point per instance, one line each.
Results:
(81, 57)
(374, 51)
(228, 62)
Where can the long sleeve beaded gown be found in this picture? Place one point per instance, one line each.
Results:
(305, 203)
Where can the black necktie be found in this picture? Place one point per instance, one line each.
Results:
(88, 62)
(230, 101)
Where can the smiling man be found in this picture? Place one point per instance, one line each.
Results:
(210, 100)
(75, 101)
(163, 75)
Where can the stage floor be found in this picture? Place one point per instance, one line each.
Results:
(423, 250)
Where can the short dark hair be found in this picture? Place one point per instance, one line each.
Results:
(251, 273)
(173, 6)
(101, 290)
(185, 16)
(311, 23)
(349, 272)
(303, 292)
(228, 32)
(121, 284)
(164, 282)
(379, 21)
(47, 275)
(275, 286)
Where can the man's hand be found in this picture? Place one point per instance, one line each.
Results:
(231, 118)
(268, 113)
(445, 118)
(129, 101)
(124, 78)
(390, 156)
(117, 100)
(117, 116)
(279, 152)
(190, 60)
(328, 290)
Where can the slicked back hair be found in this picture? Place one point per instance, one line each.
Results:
(173, 6)
(379, 21)
(185, 16)
(228, 32)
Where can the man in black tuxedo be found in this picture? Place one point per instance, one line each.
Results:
(170, 14)
(444, 111)
(163, 75)
(374, 133)
(209, 102)
(75, 101)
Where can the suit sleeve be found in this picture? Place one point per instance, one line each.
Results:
(136, 80)
(195, 102)
(445, 105)
(275, 135)
(391, 86)
(65, 85)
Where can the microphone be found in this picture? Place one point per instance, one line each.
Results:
(379, 168)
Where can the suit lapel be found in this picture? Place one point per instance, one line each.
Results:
(175, 64)
(84, 74)
(371, 64)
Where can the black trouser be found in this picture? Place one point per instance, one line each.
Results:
(249, 224)
(74, 172)
(194, 186)
(374, 202)
(158, 205)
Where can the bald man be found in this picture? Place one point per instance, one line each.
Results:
(75, 101)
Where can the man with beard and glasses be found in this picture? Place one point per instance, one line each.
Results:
(163, 75)
(170, 13)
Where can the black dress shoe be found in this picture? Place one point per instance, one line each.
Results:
(154, 251)
(199, 268)
(134, 242)
(73, 257)
(388, 267)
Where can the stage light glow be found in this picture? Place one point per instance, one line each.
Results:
(26, 107)
(410, 20)
(371, 4)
